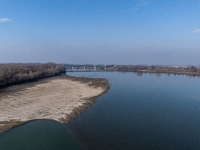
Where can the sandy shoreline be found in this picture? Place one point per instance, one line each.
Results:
(59, 98)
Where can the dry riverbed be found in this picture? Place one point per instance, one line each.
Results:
(59, 98)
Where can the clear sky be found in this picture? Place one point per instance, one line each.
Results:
(163, 32)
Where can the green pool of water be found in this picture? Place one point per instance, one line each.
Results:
(39, 135)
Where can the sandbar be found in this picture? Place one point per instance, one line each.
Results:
(59, 98)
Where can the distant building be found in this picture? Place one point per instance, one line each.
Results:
(105, 66)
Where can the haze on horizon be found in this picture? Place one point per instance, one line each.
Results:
(87, 31)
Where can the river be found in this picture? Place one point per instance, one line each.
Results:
(140, 111)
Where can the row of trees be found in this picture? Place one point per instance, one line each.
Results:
(190, 70)
(16, 73)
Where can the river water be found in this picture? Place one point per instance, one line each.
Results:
(39, 135)
(140, 111)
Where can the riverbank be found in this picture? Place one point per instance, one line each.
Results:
(158, 69)
(59, 98)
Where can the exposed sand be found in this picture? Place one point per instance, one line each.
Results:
(57, 98)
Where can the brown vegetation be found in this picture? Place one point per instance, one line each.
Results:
(17, 73)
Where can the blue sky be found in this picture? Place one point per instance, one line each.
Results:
(163, 32)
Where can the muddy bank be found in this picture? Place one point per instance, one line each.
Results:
(59, 98)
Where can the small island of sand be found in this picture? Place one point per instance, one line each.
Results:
(59, 98)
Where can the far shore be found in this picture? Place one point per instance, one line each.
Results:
(59, 98)
(189, 70)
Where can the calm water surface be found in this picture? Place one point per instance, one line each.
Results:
(141, 111)
(39, 135)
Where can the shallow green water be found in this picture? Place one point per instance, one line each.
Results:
(39, 135)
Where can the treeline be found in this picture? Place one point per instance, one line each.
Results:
(17, 73)
(187, 70)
